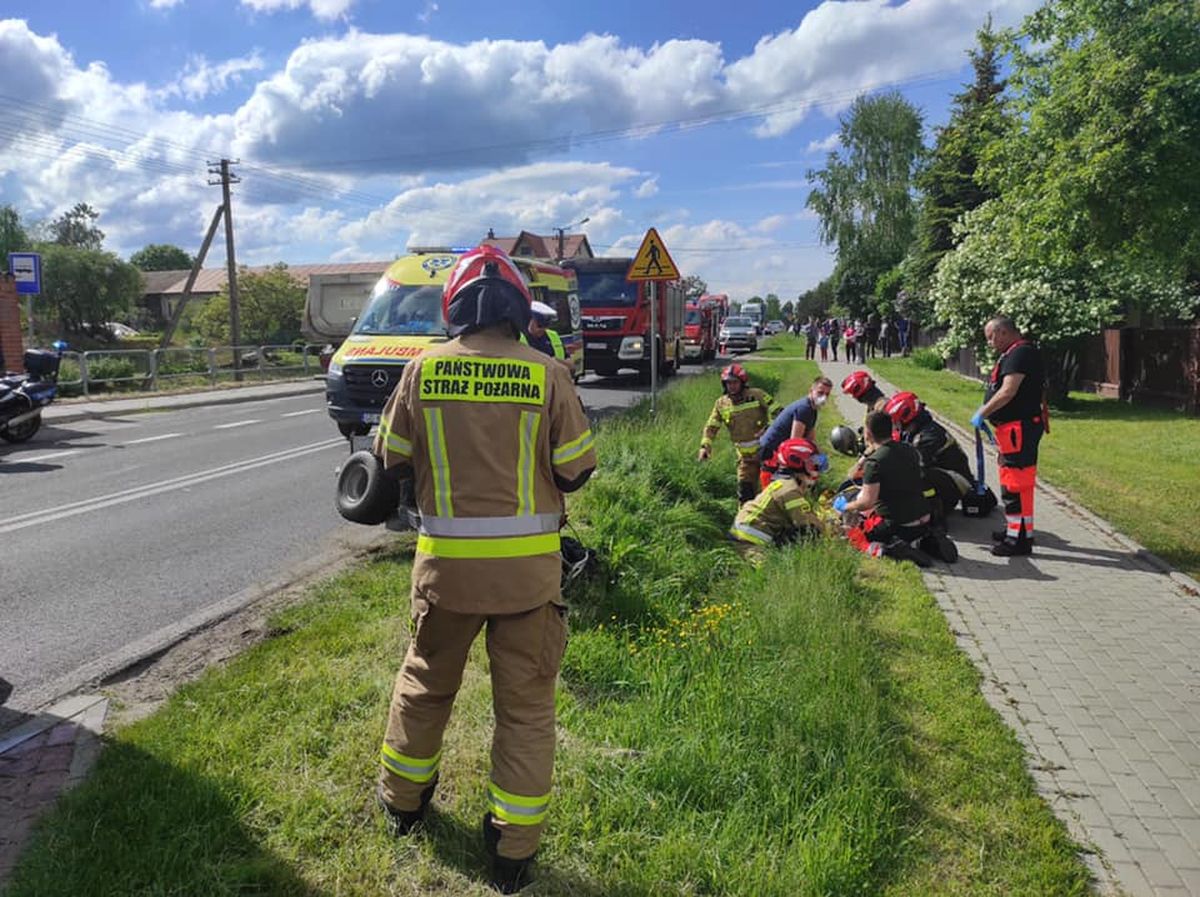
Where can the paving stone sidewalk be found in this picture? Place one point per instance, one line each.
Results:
(40, 757)
(1091, 653)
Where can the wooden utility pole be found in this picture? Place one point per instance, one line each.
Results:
(235, 324)
(177, 313)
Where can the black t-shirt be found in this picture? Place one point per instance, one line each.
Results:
(896, 467)
(1021, 358)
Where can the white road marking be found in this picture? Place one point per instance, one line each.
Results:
(151, 439)
(298, 413)
(238, 423)
(20, 459)
(136, 493)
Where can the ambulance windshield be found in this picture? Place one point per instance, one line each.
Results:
(399, 310)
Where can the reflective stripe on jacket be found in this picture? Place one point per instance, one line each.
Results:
(485, 424)
(745, 420)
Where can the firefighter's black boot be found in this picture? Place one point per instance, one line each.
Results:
(508, 876)
(1011, 548)
(999, 535)
(746, 491)
(402, 822)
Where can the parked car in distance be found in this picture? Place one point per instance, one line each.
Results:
(738, 333)
(776, 327)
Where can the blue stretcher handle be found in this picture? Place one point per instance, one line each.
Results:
(980, 482)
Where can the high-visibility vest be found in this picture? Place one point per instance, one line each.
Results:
(556, 343)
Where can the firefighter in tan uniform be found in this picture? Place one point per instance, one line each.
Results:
(745, 410)
(494, 434)
(787, 509)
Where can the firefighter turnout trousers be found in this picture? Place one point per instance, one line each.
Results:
(1017, 444)
(524, 651)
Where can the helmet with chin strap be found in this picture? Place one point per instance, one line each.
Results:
(857, 384)
(485, 287)
(734, 372)
(903, 408)
(800, 457)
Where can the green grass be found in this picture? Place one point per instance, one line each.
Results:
(802, 727)
(1132, 465)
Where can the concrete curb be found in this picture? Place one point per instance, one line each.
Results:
(58, 414)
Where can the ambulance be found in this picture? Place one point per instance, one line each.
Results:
(403, 317)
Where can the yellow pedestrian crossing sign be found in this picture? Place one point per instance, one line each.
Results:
(653, 262)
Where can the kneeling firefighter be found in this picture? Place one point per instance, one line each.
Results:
(745, 411)
(944, 465)
(787, 508)
(493, 434)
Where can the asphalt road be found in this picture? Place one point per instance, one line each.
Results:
(118, 533)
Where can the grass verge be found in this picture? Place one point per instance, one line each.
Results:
(805, 727)
(1132, 465)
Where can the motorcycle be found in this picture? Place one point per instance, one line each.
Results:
(24, 396)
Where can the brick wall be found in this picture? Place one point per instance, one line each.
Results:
(12, 347)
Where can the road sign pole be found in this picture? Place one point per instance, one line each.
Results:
(29, 316)
(652, 287)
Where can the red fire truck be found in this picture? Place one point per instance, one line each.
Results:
(616, 318)
(700, 330)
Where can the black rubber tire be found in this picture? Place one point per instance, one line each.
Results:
(353, 429)
(366, 494)
(22, 432)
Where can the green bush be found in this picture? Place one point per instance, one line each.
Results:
(928, 359)
(101, 369)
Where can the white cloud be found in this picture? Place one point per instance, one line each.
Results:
(771, 223)
(826, 145)
(201, 78)
(322, 9)
(427, 13)
(646, 188)
(164, 4)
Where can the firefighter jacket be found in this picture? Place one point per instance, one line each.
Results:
(745, 419)
(781, 513)
(487, 426)
(938, 448)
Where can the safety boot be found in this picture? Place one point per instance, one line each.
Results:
(901, 551)
(508, 876)
(999, 535)
(401, 822)
(1011, 548)
(938, 544)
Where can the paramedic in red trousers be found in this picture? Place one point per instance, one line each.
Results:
(494, 434)
(1014, 404)
(797, 421)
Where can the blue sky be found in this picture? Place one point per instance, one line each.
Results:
(364, 126)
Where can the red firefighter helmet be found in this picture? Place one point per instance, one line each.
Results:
(857, 384)
(735, 372)
(799, 456)
(484, 288)
(903, 408)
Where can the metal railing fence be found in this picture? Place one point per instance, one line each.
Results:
(128, 370)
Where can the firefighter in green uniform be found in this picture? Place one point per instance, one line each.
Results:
(745, 411)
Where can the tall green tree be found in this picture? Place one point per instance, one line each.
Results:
(269, 304)
(694, 286)
(1097, 212)
(86, 287)
(773, 312)
(13, 236)
(948, 183)
(161, 257)
(78, 228)
(864, 198)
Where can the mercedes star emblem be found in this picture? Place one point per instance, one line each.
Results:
(379, 378)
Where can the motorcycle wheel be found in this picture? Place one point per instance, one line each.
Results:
(23, 431)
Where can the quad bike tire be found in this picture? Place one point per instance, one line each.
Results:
(366, 493)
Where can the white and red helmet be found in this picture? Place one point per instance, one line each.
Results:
(735, 372)
(903, 408)
(857, 384)
(800, 457)
(484, 288)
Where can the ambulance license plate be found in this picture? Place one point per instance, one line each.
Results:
(597, 345)
(370, 418)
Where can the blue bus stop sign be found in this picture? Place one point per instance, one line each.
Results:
(26, 269)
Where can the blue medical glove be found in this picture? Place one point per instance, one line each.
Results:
(977, 419)
(839, 503)
(822, 462)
